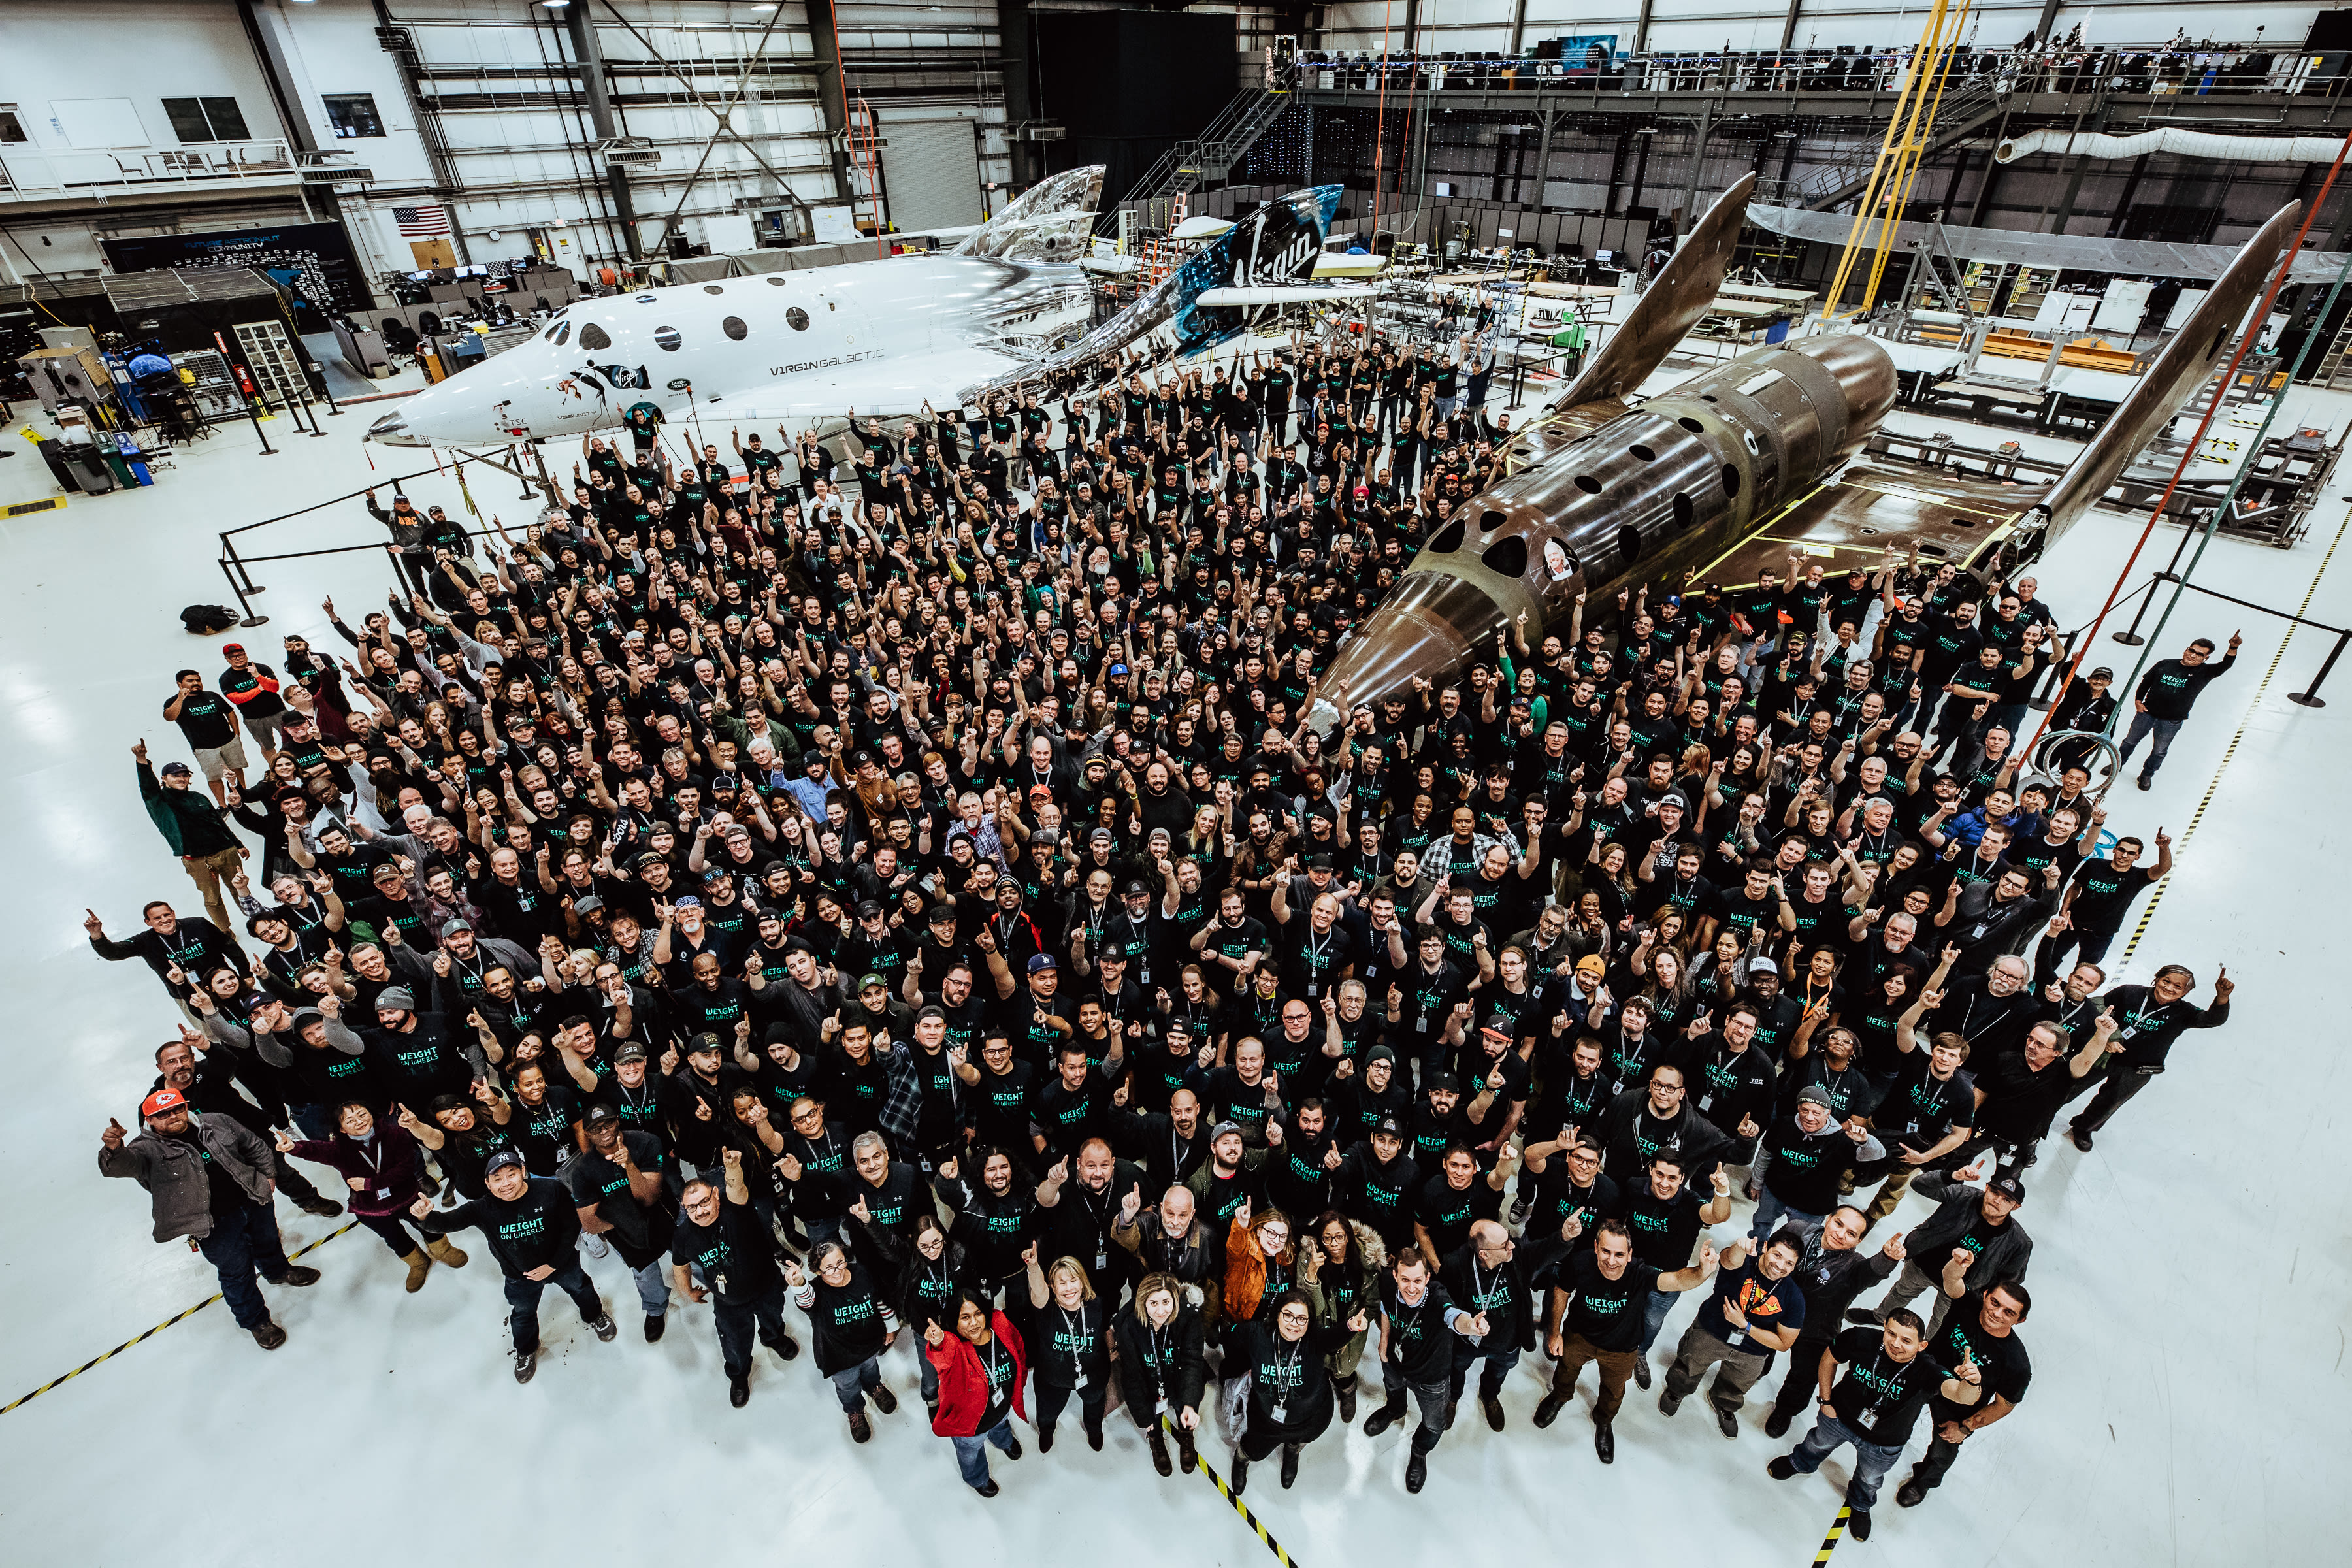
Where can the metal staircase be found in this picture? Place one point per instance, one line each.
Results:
(1210, 156)
(1962, 114)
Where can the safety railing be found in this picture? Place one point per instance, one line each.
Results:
(27, 172)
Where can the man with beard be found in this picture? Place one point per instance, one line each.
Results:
(616, 1186)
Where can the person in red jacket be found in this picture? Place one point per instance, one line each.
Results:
(981, 1367)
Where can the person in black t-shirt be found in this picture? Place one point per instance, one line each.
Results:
(531, 1226)
(1596, 1315)
(1874, 1406)
(2166, 694)
(1983, 1329)
(850, 1325)
(724, 1253)
(1756, 1309)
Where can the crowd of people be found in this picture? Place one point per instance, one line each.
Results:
(894, 890)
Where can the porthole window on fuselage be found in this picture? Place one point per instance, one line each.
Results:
(666, 339)
(593, 336)
(736, 327)
(797, 319)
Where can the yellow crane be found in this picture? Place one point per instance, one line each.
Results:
(1897, 167)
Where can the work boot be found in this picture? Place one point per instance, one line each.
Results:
(1238, 1477)
(1776, 1425)
(1289, 1464)
(1187, 1456)
(1604, 1442)
(1493, 1406)
(267, 1334)
(1782, 1469)
(325, 1208)
(1046, 1438)
(1014, 1451)
(860, 1429)
(656, 1328)
(1347, 1397)
(1642, 1368)
(439, 1249)
(1910, 1494)
(418, 1267)
(297, 1274)
(1158, 1442)
(1093, 1436)
(884, 1400)
(1381, 1420)
(1728, 1422)
(738, 1392)
(1416, 1471)
(785, 1345)
(1668, 1402)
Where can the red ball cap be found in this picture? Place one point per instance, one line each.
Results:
(162, 1101)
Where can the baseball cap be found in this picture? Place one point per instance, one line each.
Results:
(587, 906)
(162, 1101)
(1038, 961)
(386, 872)
(1222, 1128)
(2009, 1187)
(872, 983)
(454, 924)
(1387, 1124)
(1135, 889)
(600, 1114)
(867, 908)
(1814, 1094)
(177, 770)
(1444, 1082)
(943, 912)
(232, 647)
(1318, 862)
(631, 1052)
(1103, 835)
(705, 1041)
(1764, 964)
(1674, 799)
(504, 1160)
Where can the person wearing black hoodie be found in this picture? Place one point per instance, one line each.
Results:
(1802, 1162)
(531, 1227)
(1162, 1367)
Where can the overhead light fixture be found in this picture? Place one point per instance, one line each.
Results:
(556, 5)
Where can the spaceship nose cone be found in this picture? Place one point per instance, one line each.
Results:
(392, 431)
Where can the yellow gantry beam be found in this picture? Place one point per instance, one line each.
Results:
(1897, 167)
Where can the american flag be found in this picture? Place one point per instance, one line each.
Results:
(421, 223)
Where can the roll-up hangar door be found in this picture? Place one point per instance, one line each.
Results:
(931, 171)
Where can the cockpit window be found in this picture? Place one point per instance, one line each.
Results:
(593, 336)
(562, 335)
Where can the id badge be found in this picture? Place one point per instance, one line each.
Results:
(1102, 1259)
(1159, 1405)
(1082, 1379)
(1279, 1412)
(382, 1193)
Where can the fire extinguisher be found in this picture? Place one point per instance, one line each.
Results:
(244, 380)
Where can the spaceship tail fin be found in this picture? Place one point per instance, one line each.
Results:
(1675, 301)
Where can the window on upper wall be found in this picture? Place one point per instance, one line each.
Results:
(12, 126)
(352, 113)
(205, 119)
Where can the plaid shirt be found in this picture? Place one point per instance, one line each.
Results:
(902, 1108)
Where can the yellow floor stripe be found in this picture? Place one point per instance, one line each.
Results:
(1256, 1524)
(2252, 707)
(1829, 1542)
(180, 1316)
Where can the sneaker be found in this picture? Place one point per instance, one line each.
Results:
(1857, 1522)
(655, 1328)
(1521, 1209)
(297, 1274)
(1910, 1494)
(604, 1327)
(1776, 1425)
(1014, 1451)
(267, 1334)
(1548, 1411)
(325, 1208)
(988, 1487)
(1641, 1369)
(1728, 1422)
(738, 1392)
(1416, 1471)
(860, 1429)
(884, 1400)
(1494, 1409)
(2080, 1139)
(1780, 1469)
(1604, 1442)
(595, 1245)
(525, 1363)
(1668, 1402)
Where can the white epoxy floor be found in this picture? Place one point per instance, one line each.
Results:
(2191, 1274)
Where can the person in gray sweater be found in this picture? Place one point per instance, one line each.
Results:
(209, 1178)
(1970, 1242)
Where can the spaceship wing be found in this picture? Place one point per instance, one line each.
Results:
(1684, 287)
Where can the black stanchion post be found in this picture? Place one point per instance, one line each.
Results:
(2309, 697)
(2130, 637)
(255, 415)
(229, 554)
(250, 618)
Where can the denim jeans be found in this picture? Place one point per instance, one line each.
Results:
(1772, 1214)
(653, 1286)
(245, 1242)
(2142, 726)
(851, 1382)
(972, 1453)
(738, 1318)
(1653, 1318)
(522, 1301)
(1500, 1358)
(1432, 1399)
(1871, 1460)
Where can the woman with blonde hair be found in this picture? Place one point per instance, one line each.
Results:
(1069, 1349)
